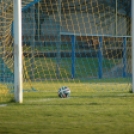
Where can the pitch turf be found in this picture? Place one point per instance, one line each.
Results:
(82, 113)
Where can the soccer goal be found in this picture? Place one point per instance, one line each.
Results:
(83, 44)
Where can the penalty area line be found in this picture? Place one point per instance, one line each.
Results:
(3, 105)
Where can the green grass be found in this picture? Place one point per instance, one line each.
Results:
(95, 106)
(85, 112)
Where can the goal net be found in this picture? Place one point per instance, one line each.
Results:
(83, 44)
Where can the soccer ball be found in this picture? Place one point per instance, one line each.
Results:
(64, 92)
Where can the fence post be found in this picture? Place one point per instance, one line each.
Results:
(100, 58)
(124, 56)
(73, 56)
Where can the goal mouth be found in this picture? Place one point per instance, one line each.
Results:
(82, 44)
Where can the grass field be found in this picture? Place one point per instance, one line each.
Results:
(96, 105)
(85, 112)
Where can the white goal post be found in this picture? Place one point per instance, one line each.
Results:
(132, 32)
(18, 91)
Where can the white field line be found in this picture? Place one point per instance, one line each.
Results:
(41, 100)
(3, 105)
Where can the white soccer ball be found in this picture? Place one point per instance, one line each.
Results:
(64, 92)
